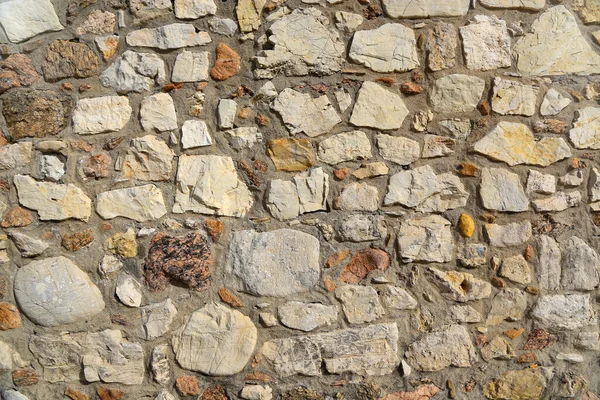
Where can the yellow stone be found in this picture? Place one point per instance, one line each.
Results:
(291, 155)
(466, 224)
(528, 384)
(123, 244)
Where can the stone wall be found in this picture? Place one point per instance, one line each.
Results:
(299, 200)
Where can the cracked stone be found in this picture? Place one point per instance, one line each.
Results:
(77, 298)
(497, 349)
(398, 149)
(564, 311)
(437, 146)
(147, 159)
(512, 234)
(227, 64)
(460, 286)
(101, 114)
(529, 5)
(129, 290)
(584, 134)
(559, 201)
(249, 14)
(17, 70)
(244, 137)
(139, 203)
(427, 238)
(191, 67)
(159, 363)
(554, 102)
(24, 19)
(156, 320)
(486, 43)
(168, 37)
(347, 21)
(389, 48)
(501, 190)
(209, 184)
(98, 22)
(358, 197)
(516, 269)
(215, 341)
(302, 113)
(134, 72)
(306, 317)
(508, 305)
(27, 245)
(291, 155)
(472, 255)
(397, 298)
(540, 183)
(66, 59)
(146, 10)
(194, 133)
(157, 113)
(378, 108)
(580, 266)
(440, 44)
(548, 268)
(302, 44)
(194, 9)
(519, 384)
(456, 93)
(425, 8)
(362, 228)
(13, 156)
(514, 98)
(347, 146)
(359, 303)
(555, 46)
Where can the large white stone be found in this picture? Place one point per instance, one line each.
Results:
(101, 114)
(54, 291)
(447, 346)
(456, 93)
(564, 311)
(486, 43)
(389, 48)
(426, 8)
(548, 268)
(347, 146)
(514, 98)
(209, 184)
(157, 113)
(148, 159)
(378, 108)
(358, 196)
(134, 72)
(173, 36)
(215, 341)
(53, 201)
(398, 149)
(282, 199)
(302, 43)
(302, 113)
(157, 319)
(554, 102)
(515, 144)
(501, 190)
(555, 46)
(24, 19)
(140, 203)
(427, 238)
(194, 133)
(512, 234)
(191, 67)
(193, 9)
(530, 5)
(585, 133)
(277, 263)
(306, 316)
(360, 303)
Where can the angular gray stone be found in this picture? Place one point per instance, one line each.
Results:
(497, 349)
(372, 350)
(448, 346)
(398, 149)
(427, 238)
(129, 290)
(437, 146)
(486, 43)
(24, 19)
(209, 184)
(501, 190)
(472, 255)
(548, 268)
(554, 102)
(134, 72)
(362, 228)
(156, 319)
(54, 291)
(516, 269)
(559, 201)
(277, 263)
(306, 316)
(302, 43)
(514, 98)
(101, 114)
(191, 67)
(397, 298)
(359, 303)
(358, 197)
(139, 203)
(194, 133)
(378, 108)
(13, 395)
(27, 245)
(456, 93)
(53, 201)
(194, 9)
(508, 305)
(425, 8)
(147, 159)
(580, 266)
(313, 188)
(389, 48)
(555, 46)
(512, 234)
(282, 200)
(347, 21)
(159, 363)
(223, 26)
(157, 113)
(564, 311)
(464, 313)
(52, 168)
(347, 146)
(243, 137)
(460, 286)
(16, 155)
(173, 36)
(585, 133)
(146, 10)
(215, 341)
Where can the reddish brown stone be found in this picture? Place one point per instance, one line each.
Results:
(214, 227)
(257, 376)
(537, 339)
(527, 358)
(529, 253)
(411, 88)
(336, 258)
(16, 217)
(113, 143)
(245, 113)
(4, 183)
(532, 290)
(470, 385)
(10, 318)
(17, 70)
(214, 393)
(498, 282)
(118, 319)
(228, 63)
(484, 108)
(372, 11)
(35, 113)
(106, 226)
(67, 86)
(248, 170)
(25, 377)
(387, 81)
(260, 165)
(110, 393)
(97, 166)
(320, 87)
(80, 145)
(468, 169)
(262, 120)
(329, 285)
(65, 59)
(364, 262)
(424, 392)
(488, 217)
(85, 88)
(514, 333)
(75, 394)
(341, 173)
(550, 125)
(187, 385)
(229, 298)
(77, 240)
(186, 259)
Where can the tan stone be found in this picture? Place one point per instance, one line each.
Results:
(291, 155)
(528, 384)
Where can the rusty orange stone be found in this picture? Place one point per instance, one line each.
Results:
(25, 377)
(336, 258)
(17, 217)
(214, 228)
(229, 298)
(187, 385)
(110, 393)
(364, 262)
(75, 394)
(514, 333)
(341, 173)
(228, 63)
(10, 318)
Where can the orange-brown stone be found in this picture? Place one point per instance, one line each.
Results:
(228, 63)
(10, 318)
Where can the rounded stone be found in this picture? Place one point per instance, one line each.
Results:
(215, 341)
(54, 291)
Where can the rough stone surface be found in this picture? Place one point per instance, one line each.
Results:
(306, 317)
(134, 72)
(378, 108)
(222, 339)
(24, 19)
(564, 311)
(501, 190)
(584, 134)
(66, 59)
(486, 43)
(359, 303)
(277, 263)
(54, 291)
(342, 147)
(425, 8)
(190, 67)
(173, 36)
(398, 149)
(456, 93)
(141, 203)
(514, 98)
(101, 114)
